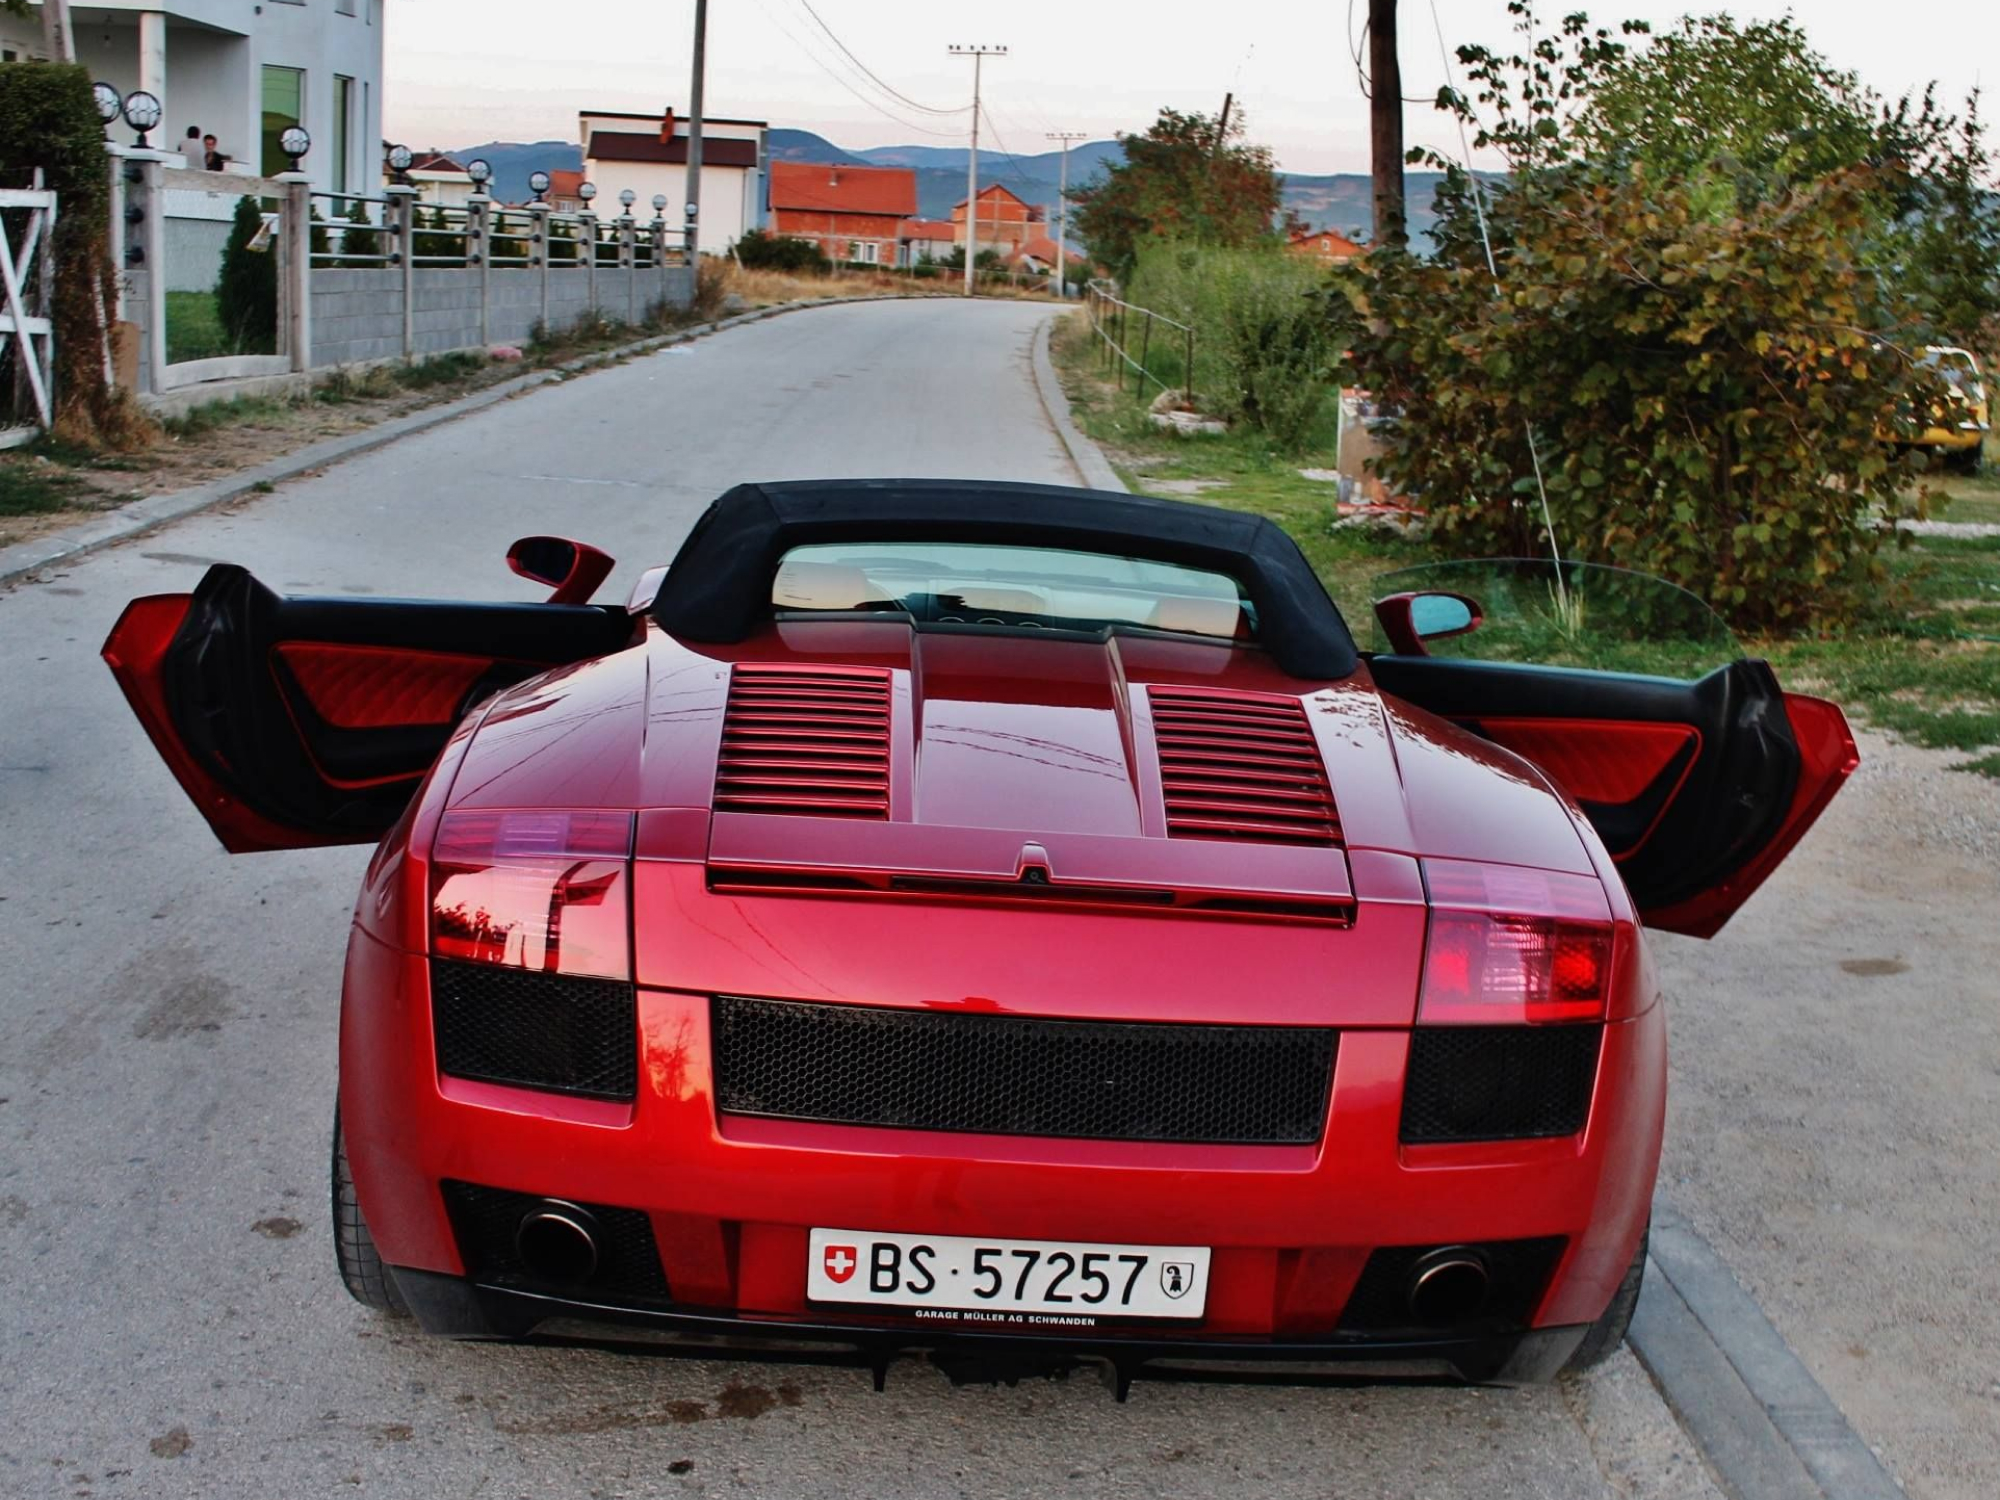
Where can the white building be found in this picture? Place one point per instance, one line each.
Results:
(242, 71)
(649, 156)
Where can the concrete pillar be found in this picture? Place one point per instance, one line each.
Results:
(538, 254)
(628, 263)
(402, 213)
(114, 165)
(153, 72)
(153, 240)
(295, 267)
(479, 253)
(586, 240)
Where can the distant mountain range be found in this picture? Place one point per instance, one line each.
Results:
(1339, 200)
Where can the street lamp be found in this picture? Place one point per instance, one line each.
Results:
(105, 95)
(295, 141)
(399, 159)
(142, 112)
(480, 170)
(586, 191)
(626, 198)
(538, 184)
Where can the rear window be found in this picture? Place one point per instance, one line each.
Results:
(1040, 588)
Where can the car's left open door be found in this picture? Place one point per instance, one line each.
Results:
(1697, 770)
(293, 722)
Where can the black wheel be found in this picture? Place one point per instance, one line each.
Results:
(1963, 460)
(361, 1270)
(1608, 1332)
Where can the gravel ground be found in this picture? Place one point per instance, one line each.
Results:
(1835, 1087)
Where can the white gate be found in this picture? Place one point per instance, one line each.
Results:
(29, 266)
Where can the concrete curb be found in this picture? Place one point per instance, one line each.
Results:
(25, 558)
(1766, 1427)
(1092, 467)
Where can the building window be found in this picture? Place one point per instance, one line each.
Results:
(865, 251)
(284, 107)
(343, 107)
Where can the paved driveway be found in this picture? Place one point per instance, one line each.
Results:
(172, 1324)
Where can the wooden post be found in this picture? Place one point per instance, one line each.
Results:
(1385, 122)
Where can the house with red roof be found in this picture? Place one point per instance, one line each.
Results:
(924, 239)
(1004, 221)
(1324, 245)
(1038, 256)
(563, 195)
(851, 213)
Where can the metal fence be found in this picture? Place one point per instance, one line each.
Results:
(351, 232)
(1111, 317)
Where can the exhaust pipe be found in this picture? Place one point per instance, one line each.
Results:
(1448, 1286)
(557, 1243)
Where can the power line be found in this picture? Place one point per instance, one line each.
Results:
(838, 77)
(870, 73)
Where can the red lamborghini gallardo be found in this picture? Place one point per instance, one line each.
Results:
(1009, 922)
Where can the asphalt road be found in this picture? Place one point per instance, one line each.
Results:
(171, 1323)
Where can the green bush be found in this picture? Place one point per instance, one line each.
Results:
(1264, 352)
(1704, 393)
(246, 290)
(760, 250)
(49, 120)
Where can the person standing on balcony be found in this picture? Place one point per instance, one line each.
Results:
(192, 150)
(217, 162)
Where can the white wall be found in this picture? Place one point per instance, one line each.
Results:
(215, 78)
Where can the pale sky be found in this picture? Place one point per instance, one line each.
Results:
(465, 71)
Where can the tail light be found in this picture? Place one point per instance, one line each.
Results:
(1513, 946)
(543, 890)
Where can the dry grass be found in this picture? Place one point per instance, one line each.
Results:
(768, 288)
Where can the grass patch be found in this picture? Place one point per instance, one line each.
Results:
(195, 331)
(211, 416)
(1925, 662)
(35, 487)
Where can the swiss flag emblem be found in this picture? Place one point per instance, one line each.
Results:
(839, 1261)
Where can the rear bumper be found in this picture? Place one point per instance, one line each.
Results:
(731, 1200)
(455, 1307)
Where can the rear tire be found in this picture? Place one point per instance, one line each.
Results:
(367, 1280)
(1608, 1332)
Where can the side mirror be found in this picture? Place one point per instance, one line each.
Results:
(1408, 620)
(572, 569)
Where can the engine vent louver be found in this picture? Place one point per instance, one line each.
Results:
(805, 740)
(1241, 766)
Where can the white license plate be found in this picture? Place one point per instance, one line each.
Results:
(1016, 1277)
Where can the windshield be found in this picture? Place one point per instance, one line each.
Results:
(1042, 588)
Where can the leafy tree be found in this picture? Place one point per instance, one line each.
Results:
(1186, 178)
(246, 289)
(760, 250)
(1705, 390)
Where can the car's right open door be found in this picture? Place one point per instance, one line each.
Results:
(1697, 770)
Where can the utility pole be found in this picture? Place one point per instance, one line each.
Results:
(694, 130)
(1222, 126)
(978, 56)
(1062, 208)
(1385, 121)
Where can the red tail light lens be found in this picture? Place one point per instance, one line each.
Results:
(1510, 946)
(545, 890)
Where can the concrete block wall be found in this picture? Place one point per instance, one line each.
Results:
(358, 314)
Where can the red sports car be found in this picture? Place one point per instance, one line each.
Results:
(1006, 921)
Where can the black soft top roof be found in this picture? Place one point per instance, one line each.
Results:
(719, 586)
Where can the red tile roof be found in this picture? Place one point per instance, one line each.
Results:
(435, 161)
(1043, 249)
(1309, 241)
(926, 229)
(564, 183)
(848, 190)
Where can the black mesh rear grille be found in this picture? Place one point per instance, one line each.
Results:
(1492, 1083)
(1517, 1272)
(540, 1031)
(930, 1070)
(484, 1220)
